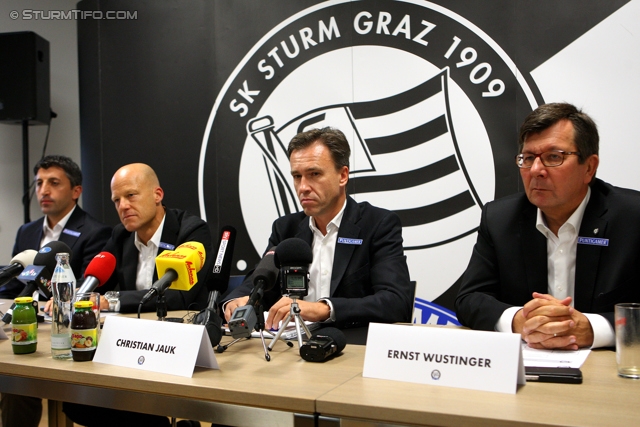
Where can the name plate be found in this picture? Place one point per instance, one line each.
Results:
(151, 345)
(477, 360)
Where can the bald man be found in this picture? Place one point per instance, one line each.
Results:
(147, 228)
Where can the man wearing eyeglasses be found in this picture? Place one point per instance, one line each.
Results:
(551, 264)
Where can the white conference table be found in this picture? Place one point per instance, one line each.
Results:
(287, 391)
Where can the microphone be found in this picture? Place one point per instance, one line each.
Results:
(293, 257)
(222, 264)
(17, 264)
(218, 284)
(244, 318)
(264, 278)
(177, 269)
(293, 252)
(98, 272)
(323, 345)
(37, 275)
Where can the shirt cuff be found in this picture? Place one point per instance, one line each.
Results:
(505, 321)
(603, 333)
(332, 314)
(224, 306)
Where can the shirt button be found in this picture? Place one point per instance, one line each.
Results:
(325, 272)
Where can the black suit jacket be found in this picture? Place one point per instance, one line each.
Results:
(509, 260)
(370, 281)
(84, 235)
(179, 227)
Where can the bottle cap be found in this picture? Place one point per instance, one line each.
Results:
(83, 304)
(23, 300)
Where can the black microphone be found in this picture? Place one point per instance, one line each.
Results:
(244, 318)
(293, 257)
(37, 275)
(17, 265)
(218, 285)
(293, 252)
(264, 278)
(323, 345)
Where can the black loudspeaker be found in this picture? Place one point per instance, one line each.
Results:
(24, 78)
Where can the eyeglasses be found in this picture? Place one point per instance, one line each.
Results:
(548, 158)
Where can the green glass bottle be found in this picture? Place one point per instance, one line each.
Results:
(24, 326)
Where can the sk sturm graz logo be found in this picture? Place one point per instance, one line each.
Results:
(424, 98)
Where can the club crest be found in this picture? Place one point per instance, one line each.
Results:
(424, 97)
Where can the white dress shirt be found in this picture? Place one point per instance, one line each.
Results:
(52, 234)
(147, 258)
(561, 273)
(323, 248)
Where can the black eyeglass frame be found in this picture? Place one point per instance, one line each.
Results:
(520, 158)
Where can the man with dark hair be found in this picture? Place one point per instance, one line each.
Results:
(359, 271)
(551, 264)
(58, 183)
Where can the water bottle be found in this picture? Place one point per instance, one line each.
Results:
(63, 285)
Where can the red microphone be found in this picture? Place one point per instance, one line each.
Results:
(98, 271)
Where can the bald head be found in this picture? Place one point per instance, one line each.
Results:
(139, 172)
(136, 193)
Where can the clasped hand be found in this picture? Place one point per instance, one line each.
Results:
(548, 323)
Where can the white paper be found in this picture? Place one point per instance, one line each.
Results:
(477, 360)
(151, 345)
(554, 358)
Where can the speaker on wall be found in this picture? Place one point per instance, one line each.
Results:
(24, 78)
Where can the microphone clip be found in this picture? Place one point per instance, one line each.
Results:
(161, 306)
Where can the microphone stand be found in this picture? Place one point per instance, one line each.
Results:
(259, 327)
(294, 312)
(161, 306)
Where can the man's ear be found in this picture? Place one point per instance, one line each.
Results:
(158, 193)
(344, 176)
(592, 166)
(76, 192)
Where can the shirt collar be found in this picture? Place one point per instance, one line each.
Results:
(574, 220)
(155, 239)
(60, 225)
(335, 222)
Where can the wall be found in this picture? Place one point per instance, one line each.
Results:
(430, 95)
(64, 137)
